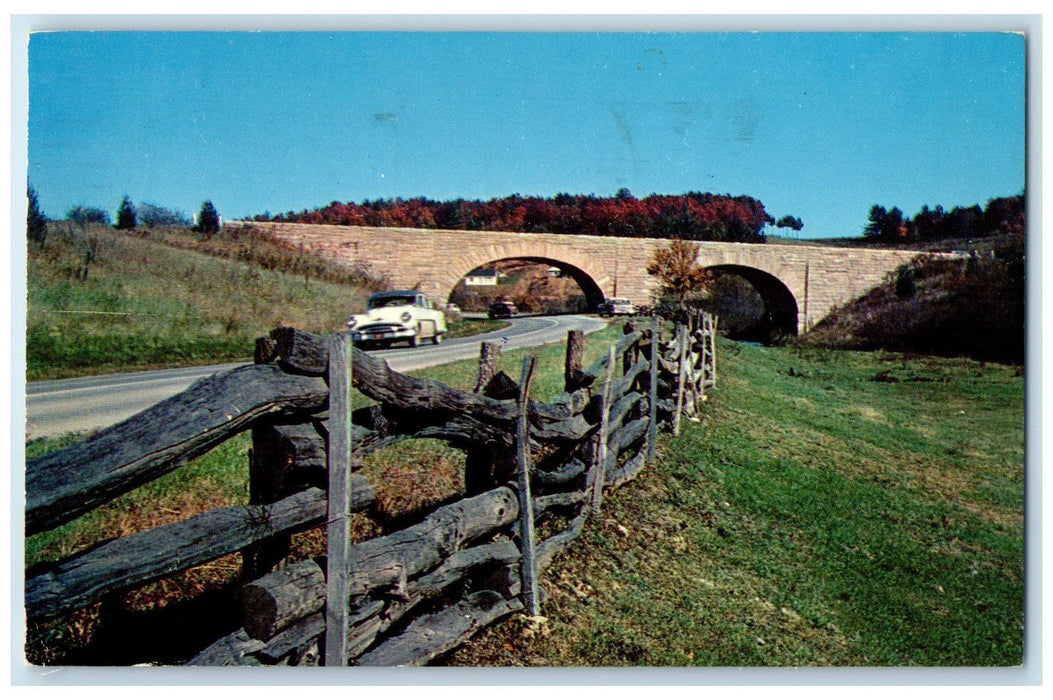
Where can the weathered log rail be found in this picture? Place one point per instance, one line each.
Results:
(556, 456)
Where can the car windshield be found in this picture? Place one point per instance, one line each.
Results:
(381, 302)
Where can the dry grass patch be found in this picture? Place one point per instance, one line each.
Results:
(412, 478)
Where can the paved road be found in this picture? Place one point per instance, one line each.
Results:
(64, 406)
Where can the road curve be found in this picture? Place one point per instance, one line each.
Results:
(63, 406)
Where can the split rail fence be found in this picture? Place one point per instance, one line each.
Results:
(407, 597)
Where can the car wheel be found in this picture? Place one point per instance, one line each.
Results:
(436, 339)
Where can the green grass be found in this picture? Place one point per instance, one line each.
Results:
(813, 518)
(466, 327)
(216, 479)
(146, 304)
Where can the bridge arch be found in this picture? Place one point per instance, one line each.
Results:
(781, 312)
(588, 280)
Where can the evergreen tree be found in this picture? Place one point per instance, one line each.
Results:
(790, 222)
(153, 215)
(884, 224)
(126, 215)
(875, 221)
(208, 219)
(905, 287)
(36, 222)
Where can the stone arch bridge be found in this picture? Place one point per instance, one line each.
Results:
(800, 284)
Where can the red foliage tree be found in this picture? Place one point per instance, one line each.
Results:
(692, 216)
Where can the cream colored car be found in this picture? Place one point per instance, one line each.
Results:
(392, 317)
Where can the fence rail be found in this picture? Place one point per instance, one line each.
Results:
(525, 461)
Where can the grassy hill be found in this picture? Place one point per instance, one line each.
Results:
(970, 307)
(101, 300)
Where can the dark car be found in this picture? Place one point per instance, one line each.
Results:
(503, 309)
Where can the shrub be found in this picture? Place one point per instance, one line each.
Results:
(905, 282)
(971, 309)
(84, 216)
(152, 215)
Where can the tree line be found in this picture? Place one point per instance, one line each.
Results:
(692, 216)
(1001, 215)
(129, 216)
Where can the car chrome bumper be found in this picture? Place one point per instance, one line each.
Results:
(366, 336)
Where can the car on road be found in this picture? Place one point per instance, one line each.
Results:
(616, 307)
(390, 317)
(503, 309)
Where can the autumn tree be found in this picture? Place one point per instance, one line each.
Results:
(691, 216)
(678, 271)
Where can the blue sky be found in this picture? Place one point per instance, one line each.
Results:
(815, 124)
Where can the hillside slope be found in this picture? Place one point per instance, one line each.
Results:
(972, 307)
(100, 300)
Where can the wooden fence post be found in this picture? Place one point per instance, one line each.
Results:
(575, 361)
(599, 469)
(652, 429)
(528, 565)
(681, 338)
(632, 353)
(713, 349)
(337, 537)
(481, 462)
(260, 558)
(489, 357)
